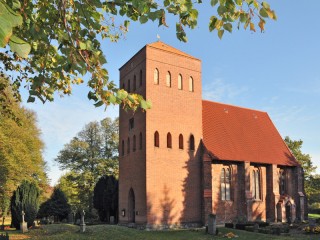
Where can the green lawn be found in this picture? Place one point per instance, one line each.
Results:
(111, 232)
(313, 215)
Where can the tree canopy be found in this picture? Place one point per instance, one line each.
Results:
(90, 155)
(53, 45)
(312, 181)
(20, 147)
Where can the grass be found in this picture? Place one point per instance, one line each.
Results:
(112, 232)
(313, 215)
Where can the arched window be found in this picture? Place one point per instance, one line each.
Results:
(225, 181)
(180, 141)
(134, 83)
(169, 140)
(168, 79)
(140, 77)
(140, 141)
(191, 84)
(128, 145)
(180, 84)
(256, 194)
(134, 143)
(282, 182)
(191, 143)
(129, 86)
(156, 139)
(156, 76)
(122, 148)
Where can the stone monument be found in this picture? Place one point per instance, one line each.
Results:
(82, 223)
(212, 226)
(23, 224)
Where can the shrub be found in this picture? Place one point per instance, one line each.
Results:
(25, 198)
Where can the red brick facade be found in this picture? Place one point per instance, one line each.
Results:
(168, 176)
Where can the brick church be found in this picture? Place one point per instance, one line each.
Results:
(186, 158)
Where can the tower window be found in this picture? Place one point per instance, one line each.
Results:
(140, 77)
(282, 182)
(129, 90)
(168, 79)
(191, 143)
(169, 140)
(180, 141)
(180, 85)
(140, 141)
(156, 76)
(131, 123)
(156, 139)
(191, 84)
(134, 87)
(123, 86)
(134, 143)
(128, 145)
(122, 148)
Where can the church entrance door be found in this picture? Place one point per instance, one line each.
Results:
(288, 212)
(131, 207)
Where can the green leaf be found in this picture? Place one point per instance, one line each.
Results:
(122, 94)
(145, 104)
(239, 2)
(31, 99)
(228, 27)
(221, 10)
(265, 5)
(263, 13)
(220, 33)
(98, 104)
(19, 46)
(83, 46)
(143, 19)
(214, 2)
(112, 99)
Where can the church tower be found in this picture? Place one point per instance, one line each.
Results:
(159, 150)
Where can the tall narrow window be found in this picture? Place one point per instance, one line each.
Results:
(180, 85)
(140, 140)
(225, 182)
(169, 140)
(282, 182)
(156, 139)
(168, 79)
(129, 90)
(128, 145)
(122, 148)
(191, 143)
(123, 86)
(131, 123)
(180, 141)
(134, 143)
(256, 185)
(156, 76)
(222, 184)
(134, 87)
(190, 84)
(140, 77)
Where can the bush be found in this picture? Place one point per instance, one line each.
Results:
(25, 198)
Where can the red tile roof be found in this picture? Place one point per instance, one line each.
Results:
(165, 47)
(241, 134)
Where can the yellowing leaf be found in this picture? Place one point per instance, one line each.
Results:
(252, 27)
(261, 24)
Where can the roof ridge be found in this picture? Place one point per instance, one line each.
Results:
(231, 105)
(166, 47)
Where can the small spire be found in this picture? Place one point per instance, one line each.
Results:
(158, 36)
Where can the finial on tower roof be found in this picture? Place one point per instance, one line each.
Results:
(158, 36)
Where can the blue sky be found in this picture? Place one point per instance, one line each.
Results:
(277, 71)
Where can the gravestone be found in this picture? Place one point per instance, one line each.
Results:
(70, 218)
(82, 223)
(111, 219)
(23, 224)
(212, 225)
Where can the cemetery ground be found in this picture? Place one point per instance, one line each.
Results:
(114, 232)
